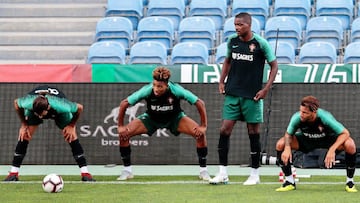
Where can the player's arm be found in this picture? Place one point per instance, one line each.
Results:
(224, 72)
(330, 155)
(24, 128)
(201, 129)
(69, 131)
(76, 116)
(286, 156)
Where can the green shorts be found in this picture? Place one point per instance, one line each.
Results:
(243, 109)
(61, 120)
(172, 124)
(306, 144)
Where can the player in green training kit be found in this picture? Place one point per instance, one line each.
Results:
(45, 102)
(163, 111)
(244, 93)
(311, 128)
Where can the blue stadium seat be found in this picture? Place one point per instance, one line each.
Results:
(300, 9)
(189, 53)
(156, 28)
(220, 53)
(214, 9)
(229, 27)
(116, 29)
(325, 28)
(130, 9)
(355, 30)
(352, 53)
(289, 28)
(257, 8)
(173, 9)
(106, 52)
(148, 52)
(318, 52)
(197, 29)
(341, 9)
(285, 52)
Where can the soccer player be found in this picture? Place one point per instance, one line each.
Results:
(163, 111)
(311, 128)
(244, 92)
(45, 102)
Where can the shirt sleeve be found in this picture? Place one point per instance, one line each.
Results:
(62, 105)
(329, 120)
(293, 124)
(140, 94)
(183, 93)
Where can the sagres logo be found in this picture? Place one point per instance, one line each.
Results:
(107, 133)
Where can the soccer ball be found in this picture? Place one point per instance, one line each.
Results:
(52, 183)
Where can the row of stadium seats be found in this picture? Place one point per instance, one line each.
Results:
(287, 30)
(219, 10)
(195, 52)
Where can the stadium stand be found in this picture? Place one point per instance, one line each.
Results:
(299, 9)
(173, 9)
(156, 28)
(257, 8)
(344, 10)
(325, 28)
(220, 53)
(134, 10)
(148, 52)
(46, 31)
(198, 29)
(106, 52)
(285, 52)
(355, 30)
(189, 53)
(352, 53)
(116, 29)
(318, 52)
(285, 28)
(214, 9)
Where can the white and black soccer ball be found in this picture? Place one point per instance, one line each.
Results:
(53, 183)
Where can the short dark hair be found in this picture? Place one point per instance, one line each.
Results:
(40, 104)
(161, 74)
(245, 16)
(311, 102)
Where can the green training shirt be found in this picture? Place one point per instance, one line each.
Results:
(325, 125)
(162, 108)
(245, 77)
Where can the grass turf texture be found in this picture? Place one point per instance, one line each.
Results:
(177, 189)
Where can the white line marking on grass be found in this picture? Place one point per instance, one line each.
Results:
(166, 182)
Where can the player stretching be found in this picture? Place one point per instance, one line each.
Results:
(46, 102)
(163, 111)
(311, 128)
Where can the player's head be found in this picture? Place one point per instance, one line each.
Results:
(311, 102)
(308, 108)
(41, 106)
(242, 24)
(161, 76)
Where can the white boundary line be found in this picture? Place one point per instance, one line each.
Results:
(168, 182)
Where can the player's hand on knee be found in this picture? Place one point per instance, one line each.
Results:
(24, 133)
(69, 133)
(124, 133)
(199, 131)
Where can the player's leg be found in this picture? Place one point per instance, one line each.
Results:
(350, 161)
(135, 127)
(223, 151)
(62, 121)
(253, 116)
(289, 182)
(80, 159)
(19, 154)
(186, 125)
